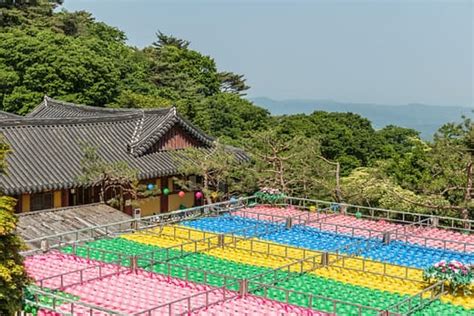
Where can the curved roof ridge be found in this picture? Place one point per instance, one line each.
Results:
(88, 108)
(9, 116)
(49, 103)
(165, 120)
(169, 120)
(41, 121)
(136, 132)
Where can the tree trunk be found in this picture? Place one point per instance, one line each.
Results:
(338, 183)
(206, 188)
(102, 191)
(468, 193)
(282, 179)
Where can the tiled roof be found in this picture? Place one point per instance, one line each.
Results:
(43, 223)
(8, 116)
(47, 150)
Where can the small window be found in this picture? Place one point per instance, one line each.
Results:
(41, 201)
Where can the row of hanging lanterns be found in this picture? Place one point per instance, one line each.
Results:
(181, 194)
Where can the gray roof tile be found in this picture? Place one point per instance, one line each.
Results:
(47, 143)
(8, 116)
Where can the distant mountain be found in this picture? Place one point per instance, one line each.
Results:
(424, 118)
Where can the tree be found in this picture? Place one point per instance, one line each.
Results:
(395, 141)
(344, 137)
(294, 165)
(229, 117)
(232, 83)
(272, 154)
(169, 40)
(116, 179)
(219, 168)
(80, 69)
(179, 72)
(130, 99)
(371, 186)
(13, 276)
(453, 152)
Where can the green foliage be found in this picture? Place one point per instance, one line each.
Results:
(180, 72)
(218, 167)
(293, 165)
(12, 273)
(395, 140)
(232, 83)
(130, 99)
(116, 178)
(230, 117)
(344, 137)
(371, 186)
(85, 70)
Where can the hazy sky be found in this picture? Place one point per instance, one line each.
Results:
(390, 52)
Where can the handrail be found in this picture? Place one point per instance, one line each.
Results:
(311, 298)
(153, 221)
(396, 212)
(432, 288)
(352, 228)
(81, 271)
(189, 308)
(56, 298)
(145, 218)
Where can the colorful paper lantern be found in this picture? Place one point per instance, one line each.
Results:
(358, 214)
(166, 191)
(214, 195)
(198, 195)
(150, 186)
(181, 194)
(312, 208)
(233, 200)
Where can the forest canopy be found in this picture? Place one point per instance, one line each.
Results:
(339, 156)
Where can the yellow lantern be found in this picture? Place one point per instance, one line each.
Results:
(214, 195)
(312, 208)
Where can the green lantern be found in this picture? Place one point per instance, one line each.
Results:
(166, 191)
(358, 214)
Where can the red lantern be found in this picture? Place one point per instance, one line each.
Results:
(181, 194)
(198, 195)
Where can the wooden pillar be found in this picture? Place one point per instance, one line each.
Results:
(65, 198)
(127, 208)
(164, 198)
(57, 199)
(25, 202)
(18, 206)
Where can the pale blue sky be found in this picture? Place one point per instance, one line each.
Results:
(389, 52)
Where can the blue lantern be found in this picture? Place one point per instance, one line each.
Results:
(233, 200)
(150, 186)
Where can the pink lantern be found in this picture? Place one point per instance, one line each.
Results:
(198, 195)
(181, 194)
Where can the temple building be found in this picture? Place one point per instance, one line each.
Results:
(45, 163)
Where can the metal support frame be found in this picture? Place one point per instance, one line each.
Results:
(325, 259)
(386, 238)
(221, 240)
(243, 287)
(297, 265)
